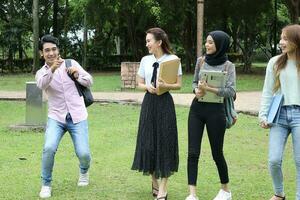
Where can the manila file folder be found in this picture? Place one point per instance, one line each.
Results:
(168, 71)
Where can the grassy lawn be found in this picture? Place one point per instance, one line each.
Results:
(112, 82)
(15, 82)
(112, 140)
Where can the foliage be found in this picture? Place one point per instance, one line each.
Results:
(118, 27)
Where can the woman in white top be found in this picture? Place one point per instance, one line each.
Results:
(157, 141)
(283, 77)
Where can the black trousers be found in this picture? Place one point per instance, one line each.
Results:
(213, 116)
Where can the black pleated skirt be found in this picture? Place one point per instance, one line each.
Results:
(157, 139)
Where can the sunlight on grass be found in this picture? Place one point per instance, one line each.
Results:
(111, 82)
(112, 130)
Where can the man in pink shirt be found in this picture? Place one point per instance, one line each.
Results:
(66, 111)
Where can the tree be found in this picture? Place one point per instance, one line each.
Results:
(183, 32)
(244, 29)
(200, 15)
(35, 27)
(15, 19)
(294, 9)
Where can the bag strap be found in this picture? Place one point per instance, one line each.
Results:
(201, 63)
(226, 65)
(202, 59)
(69, 64)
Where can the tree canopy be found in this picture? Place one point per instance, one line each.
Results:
(116, 29)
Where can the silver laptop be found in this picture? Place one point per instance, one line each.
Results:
(215, 79)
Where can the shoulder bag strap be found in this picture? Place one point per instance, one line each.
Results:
(201, 63)
(226, 65)
(69, 64)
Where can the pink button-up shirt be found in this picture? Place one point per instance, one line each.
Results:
(63, 97)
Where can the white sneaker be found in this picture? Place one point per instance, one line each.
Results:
(223, 195)
(45, 192)
(191, 197)
(83, 179)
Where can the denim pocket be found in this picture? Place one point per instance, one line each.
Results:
(290, 115)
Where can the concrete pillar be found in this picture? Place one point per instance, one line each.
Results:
(129, 74)
(35, 105)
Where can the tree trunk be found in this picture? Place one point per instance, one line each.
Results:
(131, 34)
(188, 42)
(274, 45)
(247, 48)
(55, 14)
(66, 27)
(85, 35)
(294, 7)
(35, 27)
(20, 46)
(10, 60)
(200, 19)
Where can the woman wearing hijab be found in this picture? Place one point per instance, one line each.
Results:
(156, 152)
(211, 115)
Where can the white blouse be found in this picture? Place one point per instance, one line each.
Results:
(145, 70)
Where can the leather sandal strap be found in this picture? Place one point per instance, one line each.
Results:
(279, 196)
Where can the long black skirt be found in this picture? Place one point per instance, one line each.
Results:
(157, 140)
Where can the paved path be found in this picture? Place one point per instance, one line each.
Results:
(246, 102)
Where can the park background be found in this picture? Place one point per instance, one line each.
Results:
(100, 34)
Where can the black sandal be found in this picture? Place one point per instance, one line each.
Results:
(154, 191)
(283, 198)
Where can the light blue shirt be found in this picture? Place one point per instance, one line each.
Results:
(145, 70)
(289, 86)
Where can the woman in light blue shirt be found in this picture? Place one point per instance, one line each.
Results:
(156, 151)
(283, 77)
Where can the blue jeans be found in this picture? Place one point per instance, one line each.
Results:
(54, 133)
(289, 122)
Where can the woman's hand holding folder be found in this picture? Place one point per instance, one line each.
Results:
(151, 89)
(199, 93)
(264, 124)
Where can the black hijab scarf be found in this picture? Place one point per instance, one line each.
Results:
(222, 41)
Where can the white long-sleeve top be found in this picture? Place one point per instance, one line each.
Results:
(289, 86)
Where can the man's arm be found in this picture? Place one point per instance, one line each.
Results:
(82, 76)
(43, 77)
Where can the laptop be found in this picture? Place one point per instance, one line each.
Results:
(215, 79)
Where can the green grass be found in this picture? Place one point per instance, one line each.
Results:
(255, 64)
(112, 141)
(249, 82)
(16, 82)
(112, 82)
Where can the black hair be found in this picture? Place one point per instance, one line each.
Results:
(48, 39)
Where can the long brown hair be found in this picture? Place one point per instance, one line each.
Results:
(160, 34)
(292, 33)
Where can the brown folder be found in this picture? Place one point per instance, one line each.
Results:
(168, 71)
